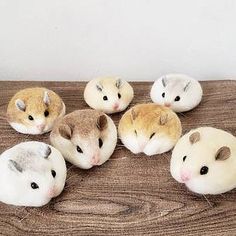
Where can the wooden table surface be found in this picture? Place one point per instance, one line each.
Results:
(128, 195)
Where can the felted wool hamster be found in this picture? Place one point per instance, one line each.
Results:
(86, 138)
(108, 94)
(205, 161)
(149, 128)
(177, 91)
(34, 110)
(31, 174)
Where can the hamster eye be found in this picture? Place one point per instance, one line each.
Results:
(152, 135)
(177, 98)
(79, 149)
(105, 98)
(53, 173)
(135, 131)
(30, 117)
(46, 113)
(119, 95)
(184, 158)
(34, 185)
(100, 143)
(163, 95)
(204, 170)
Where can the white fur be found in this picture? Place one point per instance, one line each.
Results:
(94, 96)
(24, 129)
(175, 84)
(89, 145)
(16, 186)
(140, 143)
(221, 176)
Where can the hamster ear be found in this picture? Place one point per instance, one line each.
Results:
(194, 137)
(134, 114)
(20, 104)
(163, 119)
(99, 87)
(186, 87)
(102, 122)
(13, 165)
(45, 151)
(118, 83)
(163, 80)
(66, 131)
(223, 153)
(46, 98)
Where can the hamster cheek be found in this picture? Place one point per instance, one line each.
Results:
(24, 129)
(131, 143)
(158, 145)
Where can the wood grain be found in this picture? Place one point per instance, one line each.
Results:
(128, 195)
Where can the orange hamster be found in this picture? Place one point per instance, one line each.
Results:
(149, 128)
(34, 110)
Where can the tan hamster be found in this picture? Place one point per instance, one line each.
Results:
(34, 110)
(149, 128)
(86, 138)
(108, 94)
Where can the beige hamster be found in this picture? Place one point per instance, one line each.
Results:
(86, 138)
(149, 128)
(108, 94)
(34, 110)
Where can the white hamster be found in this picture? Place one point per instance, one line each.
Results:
(86, 138)
(179, 92)
(31, 173)
(108, 94)
(205, 161)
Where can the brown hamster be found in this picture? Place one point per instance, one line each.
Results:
(34, 110)
(149, 128)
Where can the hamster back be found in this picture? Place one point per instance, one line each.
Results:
(108, 94)
(149, 128)
(86, 138)
(204, 160)
(34, 110)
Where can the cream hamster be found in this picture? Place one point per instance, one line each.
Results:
(86, 138)
(34, 110)
(177, 91)
(108, 94)
(31, 174)
(149, 128)
(205, 161)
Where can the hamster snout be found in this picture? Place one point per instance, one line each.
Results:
(116, 106)
(185, 175)
(95, 159)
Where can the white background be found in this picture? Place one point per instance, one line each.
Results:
(135, 39)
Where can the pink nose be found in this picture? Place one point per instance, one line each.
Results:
(185, 175)
(167, 104)
(142, 146)
(116, 106)
(95, 160)
(40, 127)
(51, 193)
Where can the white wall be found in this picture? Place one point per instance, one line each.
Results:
(136, 39)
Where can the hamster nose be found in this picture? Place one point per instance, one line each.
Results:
(116, 106)
(185, 175)
(51, 193)
(95, 160)
(167, 104)
(41, 127)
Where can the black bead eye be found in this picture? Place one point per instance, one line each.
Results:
(163, 95)
(204, 170)
(105, 98)
(53, 173)
(30, 117)
(177, 98)
(152, 135)
(46, 113)
(79, 149)
(100, 142)
(184, 158)
(119, 95)
(34, 185)
(135, 131)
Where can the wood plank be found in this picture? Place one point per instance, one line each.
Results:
(128, 195)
